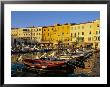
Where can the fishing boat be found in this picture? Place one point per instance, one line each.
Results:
(44, 63)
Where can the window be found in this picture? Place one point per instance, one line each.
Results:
(90, 32)
(97, 25)
(55, 30)
(90, 26)
(82, 33)
(75, 35)
(98, 38)
(89, 38)
(82, 38)
(82, 27)
(67, 27)
(78, 33)
(25, 30)
(71, 34)
(62, 33)
(96, 32)
(78, 27)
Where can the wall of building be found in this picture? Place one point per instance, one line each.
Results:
(86, 33)
(83, 33)
(14, 32)
(36, 34)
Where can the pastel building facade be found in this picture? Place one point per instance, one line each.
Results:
(56, 33)
(84, 34)
(32, 33)
(36, 34)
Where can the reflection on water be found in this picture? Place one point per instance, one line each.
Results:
(19, 70)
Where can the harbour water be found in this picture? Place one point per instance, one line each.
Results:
(19, 69)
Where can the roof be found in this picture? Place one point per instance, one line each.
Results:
(14, 28)
(62, 24)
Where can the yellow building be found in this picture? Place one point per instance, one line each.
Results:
(57, 33)
(14, 32)
(36, 34)
(31, 33)
(62, 32)
(47, 33)
(86, 33)
(24, 33)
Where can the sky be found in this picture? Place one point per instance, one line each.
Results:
(49, 18)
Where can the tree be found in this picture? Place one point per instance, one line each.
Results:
(79, 40)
